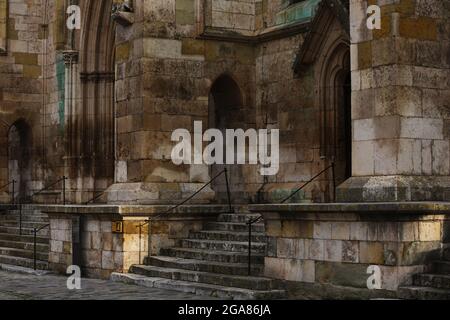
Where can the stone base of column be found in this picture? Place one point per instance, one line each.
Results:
(394, 188)
(158, 193)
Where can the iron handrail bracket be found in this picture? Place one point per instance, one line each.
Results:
(230, 207)
(35, 231)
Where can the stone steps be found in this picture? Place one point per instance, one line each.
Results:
(23, 262)
(240, 269)
(201, 289)
(22, 238)
(25, 245)
(25, 231)
(25, 224)
(238, 227)
(434, 285)
(227, 236)
(437, 281)
(16, 217)
(245, 282)
(423, 293)
(18, 249)
(212, 262)
(214, 245)
(219, 256)
(22, 253)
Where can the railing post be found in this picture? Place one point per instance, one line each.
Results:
(149, 244)
(13, 192)
(140, 245)
(249, 248)
(20, 219)
(333, 168)
(228, 190)
(34, 249)
(64, 190)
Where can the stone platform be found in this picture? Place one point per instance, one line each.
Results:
(330, 247)
(311, 251)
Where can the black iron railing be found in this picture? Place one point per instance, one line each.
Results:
(13, 194)
(251, 222)
(21, 201)
(332, 166)
(35, 232)
(95, 198)
(62, 180)
(148, 222)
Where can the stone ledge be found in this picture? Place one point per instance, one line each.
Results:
(362, 208)
(133, 210)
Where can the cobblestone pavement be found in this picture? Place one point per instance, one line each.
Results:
(14, 286)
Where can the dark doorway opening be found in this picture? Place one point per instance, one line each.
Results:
(19, 158)
(226, 112)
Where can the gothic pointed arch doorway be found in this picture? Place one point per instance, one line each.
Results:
(226, 112)
(335, 104)
(91, 126)
(19, 158)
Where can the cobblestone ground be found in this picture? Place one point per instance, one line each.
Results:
(14, 286)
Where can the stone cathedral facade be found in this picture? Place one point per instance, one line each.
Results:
(95, 107)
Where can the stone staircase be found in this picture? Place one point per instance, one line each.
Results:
(212, 262)
(16, 249)
(434, 285)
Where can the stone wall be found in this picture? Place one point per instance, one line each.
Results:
(285, 101)
(87, 237)
(334, 245)
(25, 95)
(238, 15)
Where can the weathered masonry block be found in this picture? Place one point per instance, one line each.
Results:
(106, 239)
(333, 245)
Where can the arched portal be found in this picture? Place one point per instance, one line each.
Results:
(19, 158)
(226, 112)
(335, 101)
(91, 128)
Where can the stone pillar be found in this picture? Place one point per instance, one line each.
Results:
(158, 88)
(400, 103)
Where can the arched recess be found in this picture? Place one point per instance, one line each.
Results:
(91, 142)
(334, 92)
(19, 158)
(226, 111)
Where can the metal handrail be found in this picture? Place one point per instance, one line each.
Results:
(251, 222)
(13, 183)
(230, 207)
(332, 166)
(20, 202)
(35, 231)
(95, 198)
(63, 180)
